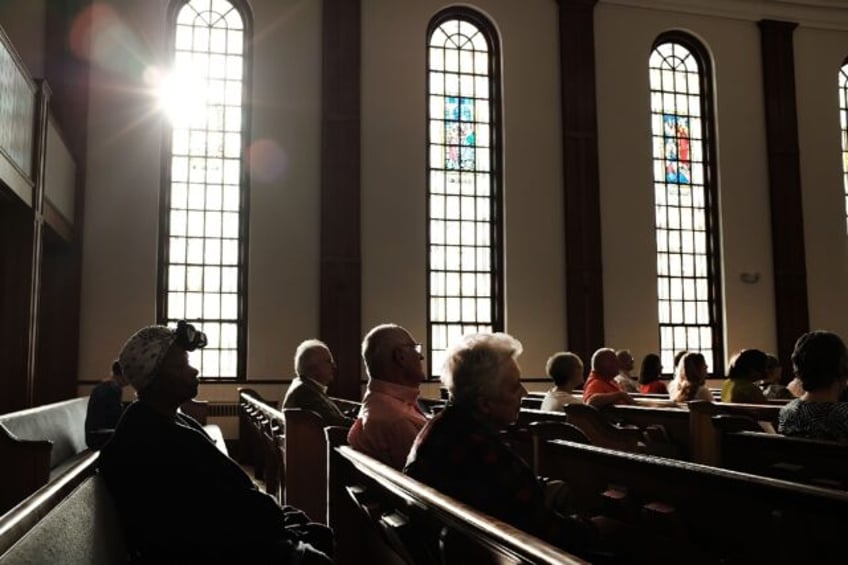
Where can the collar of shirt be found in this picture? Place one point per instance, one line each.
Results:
(321, 387)
(403, 393)
(596, 375)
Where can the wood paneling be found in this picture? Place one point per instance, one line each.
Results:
(341, 278)
(583, 262)
(784, 166)
(15, 271)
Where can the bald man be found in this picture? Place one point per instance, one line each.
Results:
(389, 418)
(601, 389)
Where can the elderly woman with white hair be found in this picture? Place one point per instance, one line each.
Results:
(461, 454)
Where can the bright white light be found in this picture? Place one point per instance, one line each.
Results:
(182, 97)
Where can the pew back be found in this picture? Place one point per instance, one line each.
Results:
(399, 520)
(686, 511)
(72, 520)
(38, 444)
(810, 461)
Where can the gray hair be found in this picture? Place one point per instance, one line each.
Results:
(304, 355)
(598, 354)
(472, 366)
(377, 346)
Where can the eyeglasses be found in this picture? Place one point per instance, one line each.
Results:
(416, 346)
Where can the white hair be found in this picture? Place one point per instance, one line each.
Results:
(304, 355)
(472, 366)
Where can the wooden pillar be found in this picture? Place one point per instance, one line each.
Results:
(583, 262)
(341, 279)
(787, 219)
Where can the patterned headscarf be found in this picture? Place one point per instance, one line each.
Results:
(142, 354)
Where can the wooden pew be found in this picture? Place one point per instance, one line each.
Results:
(72, 520)
(261, 432)
(382, 516)
(742, 446)
(703, 434)
(674, 422)
(38, 444)
(666, 510)
(306, 463)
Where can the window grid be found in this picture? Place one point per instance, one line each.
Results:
(843, 122)
(463, 211)
(204, 226)
(687, 245)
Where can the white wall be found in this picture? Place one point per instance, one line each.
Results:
(818, 56)
(624, 37)
(122, 195)
(394, 169)
(122, 192)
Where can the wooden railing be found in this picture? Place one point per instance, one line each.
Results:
(396, 519)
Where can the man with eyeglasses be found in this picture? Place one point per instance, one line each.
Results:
(389, 418)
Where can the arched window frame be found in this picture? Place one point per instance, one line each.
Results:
(843, 128)
(488, 31)
(713, 240)
(246, 15)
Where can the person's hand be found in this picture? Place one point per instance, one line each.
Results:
(625, 398)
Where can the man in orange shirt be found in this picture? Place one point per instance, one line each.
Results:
(601, 389)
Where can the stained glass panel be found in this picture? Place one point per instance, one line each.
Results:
(462, 207)
(206, 153)
(686, 284)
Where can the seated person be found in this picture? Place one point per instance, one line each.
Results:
(104, 409)
(566, 370)
(461, 454)
(624, 379)
(772, 385)
(649, 376)
(389, 418)
(689, 383)
(746, 368)
(820, 361)
(315, 370)
(601, 389)
(178, 497)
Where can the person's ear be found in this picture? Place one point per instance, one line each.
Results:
(484, 405)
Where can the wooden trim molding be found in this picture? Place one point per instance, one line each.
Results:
(341, 265)
(787, 220)
(584, 282)
(56, 220)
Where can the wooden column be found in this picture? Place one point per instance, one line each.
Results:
(39, 161)
(583, 266)
(341, 280)
(787, 219)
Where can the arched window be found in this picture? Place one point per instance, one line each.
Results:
(843, 122)
(203, 229)
(688, 281)
(464, 208)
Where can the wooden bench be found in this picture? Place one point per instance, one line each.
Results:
(382, 516)
(742, 446)
(306, 463)
(262, 439)
(292, 450)
(37, 445)
(667, 510)
(72, 520)
(703, 434)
